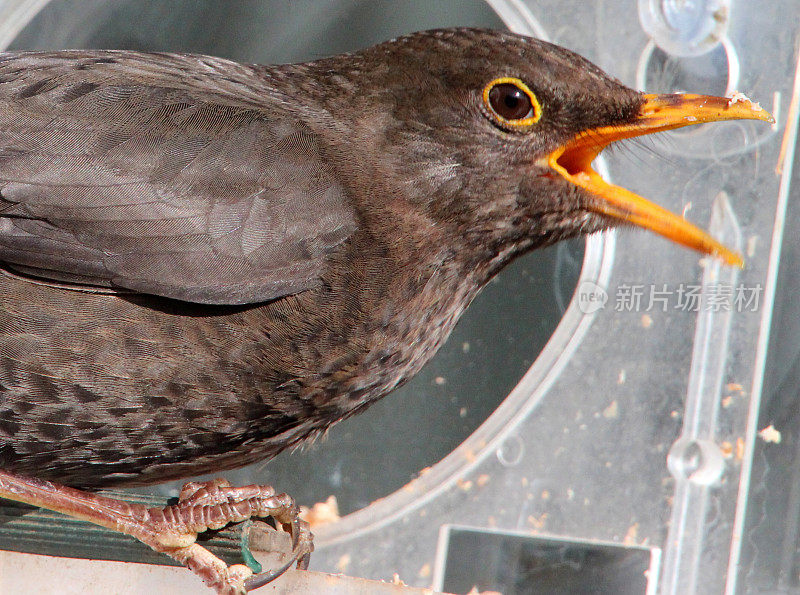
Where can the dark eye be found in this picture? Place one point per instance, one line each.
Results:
(511, 103)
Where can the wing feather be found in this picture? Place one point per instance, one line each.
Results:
(164, 174)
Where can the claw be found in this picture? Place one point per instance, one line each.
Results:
(262, 578)
(302, 546)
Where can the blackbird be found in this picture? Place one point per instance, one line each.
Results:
(205, 262)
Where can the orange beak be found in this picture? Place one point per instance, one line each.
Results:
(573, 161)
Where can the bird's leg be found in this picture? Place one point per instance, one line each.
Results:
(173, 529)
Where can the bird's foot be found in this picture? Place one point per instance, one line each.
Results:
(212, 505)
(173, 530)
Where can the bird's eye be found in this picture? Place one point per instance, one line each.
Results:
(511, 103)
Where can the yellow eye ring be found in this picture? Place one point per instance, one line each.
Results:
(511, 103)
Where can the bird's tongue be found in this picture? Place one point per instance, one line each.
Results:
(659, 112)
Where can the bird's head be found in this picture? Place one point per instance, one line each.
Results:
(495, 133)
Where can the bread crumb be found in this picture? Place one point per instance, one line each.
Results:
(611, 411)
(343, 563)
(727, 449)
(752, 242)
(321, 513)
(631, 534)
(537, 522)
(425, 571)
(482, 480)
(770, 434)
(734, 387)
(739, 449)
(647, 321)
(737, 97)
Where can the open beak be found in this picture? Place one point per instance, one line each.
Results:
(573, 161)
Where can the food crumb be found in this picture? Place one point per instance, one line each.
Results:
(674, 414)
(465, 346)
(321, 513)
(464, 485)
(726, 402)
(739, 449)
(537, 522)
(752, 242)
(727, 449)
(770, 434)
(647, 321)
(545, 494)
(343, 563)
(462, 412)
(734, 387)
(631, 534)
(425, 571)
(396, 580)
(482, 480)
(440, 380)
(611, 411)
(737, 97)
